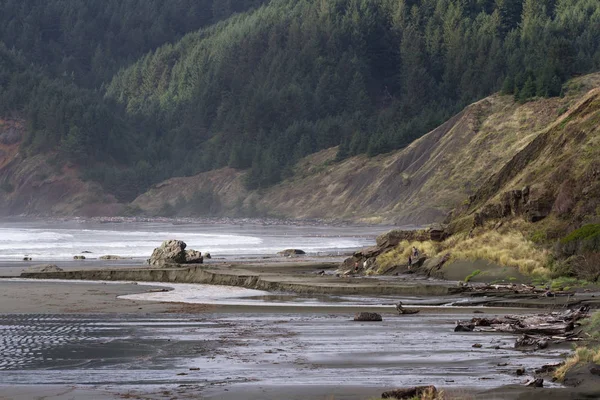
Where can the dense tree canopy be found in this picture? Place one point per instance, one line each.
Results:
(262, 88)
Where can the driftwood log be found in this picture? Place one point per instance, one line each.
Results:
(537, 330)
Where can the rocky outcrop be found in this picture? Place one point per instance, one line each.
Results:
(172, 253)
(515, 203)
(367, 316)
(365, 259)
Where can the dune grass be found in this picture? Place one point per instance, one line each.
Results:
(582, 355)
(508, 249)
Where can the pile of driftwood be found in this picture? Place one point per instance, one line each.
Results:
(514, 288)
(537, 330)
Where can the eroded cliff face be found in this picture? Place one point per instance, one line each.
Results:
(417, 185)
(38, 186)
(556, 176)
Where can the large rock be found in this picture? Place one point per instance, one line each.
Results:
(172, 253)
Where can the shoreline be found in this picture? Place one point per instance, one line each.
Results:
(102, 298)
(316, 277)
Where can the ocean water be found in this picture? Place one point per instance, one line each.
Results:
(61, 240)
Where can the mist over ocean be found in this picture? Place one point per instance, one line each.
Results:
(61, 240)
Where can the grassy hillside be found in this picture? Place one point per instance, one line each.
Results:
(418, 184)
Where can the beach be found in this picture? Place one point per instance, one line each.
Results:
(97, 345)
(249, 326)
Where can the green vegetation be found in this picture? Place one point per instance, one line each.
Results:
(586, 232)
(472, 275)
(272, 81)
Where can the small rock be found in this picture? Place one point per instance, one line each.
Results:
(477, 312)
(26, 258)
(207, 256)
(367, 316)
(78, 257)
(477, 345)
(520, 371)
(464, 328)
(86, 252)
(291, 252)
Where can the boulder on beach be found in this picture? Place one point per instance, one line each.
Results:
(193, 257)
(291, 252)
(172, 253)
(44, 268)
(78, 257)
(367, 316)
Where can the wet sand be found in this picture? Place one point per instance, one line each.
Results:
(78, 340)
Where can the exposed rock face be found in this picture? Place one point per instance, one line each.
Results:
(515, 203)
(172, 252)
(291, 252)
(367, 316)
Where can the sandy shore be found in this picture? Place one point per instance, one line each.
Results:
(95, 345)
(104, 347)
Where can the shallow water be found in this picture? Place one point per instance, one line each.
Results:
(265, 349)
(61, 240)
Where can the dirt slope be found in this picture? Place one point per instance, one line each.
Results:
(419, 184)
(35, 186)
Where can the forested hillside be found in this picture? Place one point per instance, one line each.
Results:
(264, 87)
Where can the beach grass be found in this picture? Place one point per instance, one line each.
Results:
(507, 249)
(582, 355)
